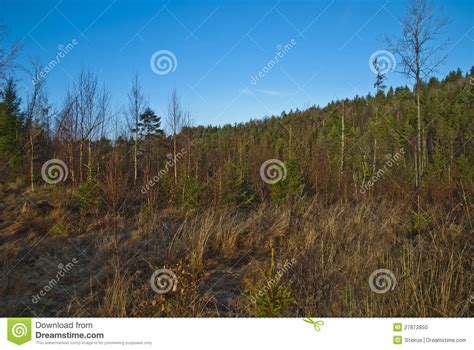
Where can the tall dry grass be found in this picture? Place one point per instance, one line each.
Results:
(216, 254)
(336, 249)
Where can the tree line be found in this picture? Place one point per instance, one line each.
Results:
(334, 152)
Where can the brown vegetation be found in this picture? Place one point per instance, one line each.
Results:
(217, 254)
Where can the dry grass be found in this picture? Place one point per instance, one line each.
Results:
(214, 254)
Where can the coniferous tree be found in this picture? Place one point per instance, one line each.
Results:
(290, 187)
(149, 124)
(11, 128)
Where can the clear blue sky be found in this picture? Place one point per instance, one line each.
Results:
(219, 46)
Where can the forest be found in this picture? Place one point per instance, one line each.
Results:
(284, 215)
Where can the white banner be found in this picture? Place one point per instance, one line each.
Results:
(240, 333)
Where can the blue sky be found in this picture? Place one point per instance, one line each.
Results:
(219, 46)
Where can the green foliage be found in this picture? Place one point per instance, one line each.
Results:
(11, 123)
(190, 193)
(379, 82)
(237, 189)
(223, 162)
(274, 297)
(290, 187)
(420, 221)
(465, 170)
(245, 197)
(149, 124)
(60, 229)
(20, 182)
(87, 195)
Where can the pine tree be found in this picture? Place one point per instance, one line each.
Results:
(237, 189)
(290, 187)
(149, 124)
(11, 124)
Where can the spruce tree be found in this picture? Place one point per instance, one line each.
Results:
(11, 122)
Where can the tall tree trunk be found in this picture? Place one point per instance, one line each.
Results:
(342, 141)
(419, 169)
(290, 153)
(374, 160)
(71, 163)
(89, 161)
(175, 168)
(32, 156)
(135, 156)
(81, 156)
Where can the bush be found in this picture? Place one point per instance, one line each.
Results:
(238, 191)
(190, 194)
(60, 229)
(273, 298)
(421, 221)
(290, 187)
(87, 195)
(20, 183)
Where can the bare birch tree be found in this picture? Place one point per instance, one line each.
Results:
(35, 108)
(420, 53)
(7, 56)
(67, 132)
(136, 103)
(175, 121)
(86, 91)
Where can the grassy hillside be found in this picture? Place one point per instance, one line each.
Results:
(292, 215)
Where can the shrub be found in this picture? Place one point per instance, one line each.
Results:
(190, 193)
(421, 221)
(87, 195)
(274, 297)
(19, 184)
(60, 229)
(291, 186)
(238, 191)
